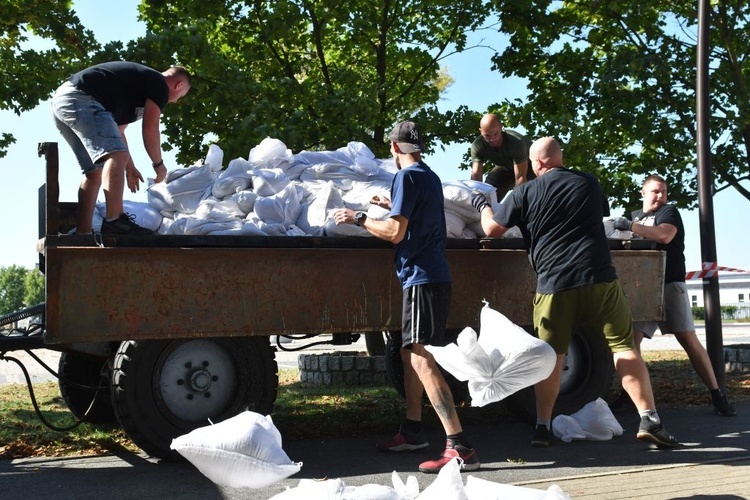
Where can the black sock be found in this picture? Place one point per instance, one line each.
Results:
(412, 427)
(457, 439)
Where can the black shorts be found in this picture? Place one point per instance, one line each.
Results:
(425, 314)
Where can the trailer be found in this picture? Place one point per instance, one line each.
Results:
(174, 330)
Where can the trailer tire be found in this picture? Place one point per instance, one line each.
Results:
(162, 389)
(394, 368)
(76, 370)
(588, 374)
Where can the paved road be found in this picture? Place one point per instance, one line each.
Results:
(713, 462)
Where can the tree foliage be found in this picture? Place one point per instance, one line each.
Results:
(42, 42)
(12, 289)
(315, 74)
(34, 292)
(615, 81)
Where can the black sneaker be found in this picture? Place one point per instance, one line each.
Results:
(124, 224)
(722, 406)
(542, 437)
(655, 433)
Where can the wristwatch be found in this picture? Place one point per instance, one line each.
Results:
(359, 218)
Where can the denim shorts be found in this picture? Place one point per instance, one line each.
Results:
(90, 129)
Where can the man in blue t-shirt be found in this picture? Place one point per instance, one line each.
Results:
(662, 223)
(560, 214)
(92, 109)
(416, 226)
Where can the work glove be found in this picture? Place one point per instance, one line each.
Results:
(479, 201)
(622, 224)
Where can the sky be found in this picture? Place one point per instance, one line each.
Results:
(475, 85)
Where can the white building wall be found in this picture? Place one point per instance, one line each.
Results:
(734, 289)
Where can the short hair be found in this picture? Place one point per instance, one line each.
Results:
(653, 177)
(182, 73)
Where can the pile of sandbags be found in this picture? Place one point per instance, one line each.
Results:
(274, 192)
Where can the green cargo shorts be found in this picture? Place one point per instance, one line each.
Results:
(602, 307)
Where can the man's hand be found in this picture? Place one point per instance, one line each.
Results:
(134, 178)
(479, 201)
(622, 224)
(161, 173)
(382, 202)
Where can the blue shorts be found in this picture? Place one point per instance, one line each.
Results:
(90, 129)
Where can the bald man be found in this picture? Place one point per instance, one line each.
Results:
(503, 152)
(560, 215)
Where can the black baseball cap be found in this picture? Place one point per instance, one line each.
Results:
(408, 136)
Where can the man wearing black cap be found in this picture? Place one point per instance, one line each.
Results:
(416, 226)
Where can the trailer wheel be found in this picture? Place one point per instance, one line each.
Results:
(587, 375)
(162, 389)
(76, 370)
(394, 368)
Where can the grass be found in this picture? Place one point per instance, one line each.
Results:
(305, 412)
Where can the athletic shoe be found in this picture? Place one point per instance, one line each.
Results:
(723, 407)
(542, 437)
(403, 442)
(124, 224)
(655, 433)
(467, 459)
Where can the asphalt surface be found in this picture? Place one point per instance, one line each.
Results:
(713, 461)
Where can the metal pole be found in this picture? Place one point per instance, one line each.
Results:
(714, 343)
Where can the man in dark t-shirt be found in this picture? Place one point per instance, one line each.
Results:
(662, 223)
(416, 227)
(504, 152)
(560, 214)
(92, 109)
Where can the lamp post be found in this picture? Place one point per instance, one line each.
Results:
(714, 342)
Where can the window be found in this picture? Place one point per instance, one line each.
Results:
(741, 297)
(694, 300)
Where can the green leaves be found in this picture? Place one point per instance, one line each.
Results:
(615, 81)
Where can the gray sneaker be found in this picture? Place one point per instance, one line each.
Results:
(124, 224)
(655, 433)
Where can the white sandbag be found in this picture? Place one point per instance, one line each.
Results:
(594, 422)
(477, 488)
(245, 200)
(268, 181)
(282, 208)
(182, 190)
(408, 490)
(313, 489)
(447, 485)
(219, 210)
(502, 360)
(214, 158)
(270, 153)
(454, 224)
(360, 195)
(370, 492)
(457, 196)
(232, 180)
(143, 214)
(241, 452)
(313, 214)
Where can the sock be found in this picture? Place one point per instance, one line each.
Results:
(412, 427)
(456, 440)
(543, 422)
(651, 415)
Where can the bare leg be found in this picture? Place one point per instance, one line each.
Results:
(547, 390)
(635, 378)
(437, 389)
(413, 388)
(698, 358)
(87, 193)
(113, 181)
